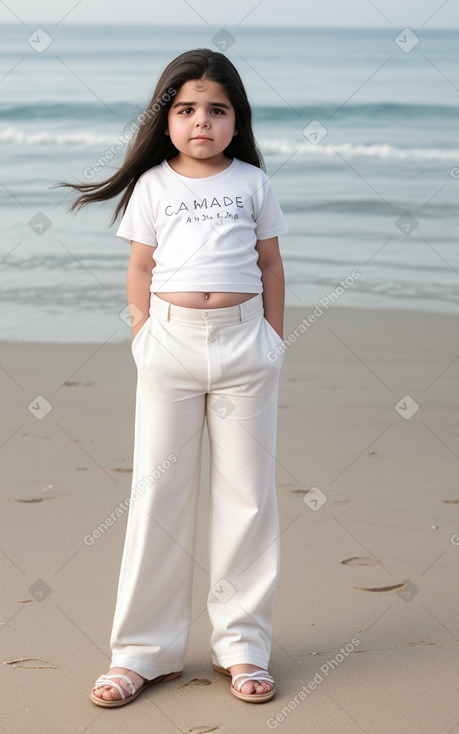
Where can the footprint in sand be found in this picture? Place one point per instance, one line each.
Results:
(196, 682)
(28, 436)
(360, 561)
(289, 488)
(382, 589)
(78, 384)
(119, 469)
(19, 663)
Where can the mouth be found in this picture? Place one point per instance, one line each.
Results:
(201, 137)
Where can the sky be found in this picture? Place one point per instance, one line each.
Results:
(398, 14)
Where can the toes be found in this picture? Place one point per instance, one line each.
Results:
(107, 693)
(111, 694)
(255, 686)
(248, 687)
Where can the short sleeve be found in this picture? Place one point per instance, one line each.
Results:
(270, 221)
(138, 223)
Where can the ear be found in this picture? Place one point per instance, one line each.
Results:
(166, 131)
(235, 132)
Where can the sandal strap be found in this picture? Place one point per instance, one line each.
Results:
(260, 675)
(108, 680)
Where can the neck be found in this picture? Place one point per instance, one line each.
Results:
(199, 168)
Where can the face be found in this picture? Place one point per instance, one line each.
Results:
(201, 120)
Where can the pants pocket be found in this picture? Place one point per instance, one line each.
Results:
(139, 335)
(274, 345)
(273, 331)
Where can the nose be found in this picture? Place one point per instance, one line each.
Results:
(202, 119)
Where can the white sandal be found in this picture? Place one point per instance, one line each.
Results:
(259, 675)
(107, 680)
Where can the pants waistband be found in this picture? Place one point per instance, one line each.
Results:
(231, 314)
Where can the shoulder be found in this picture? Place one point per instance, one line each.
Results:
(152, 174)
(247, 169)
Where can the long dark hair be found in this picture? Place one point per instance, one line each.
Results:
(150, 146)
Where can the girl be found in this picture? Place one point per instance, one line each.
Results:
(205, 289)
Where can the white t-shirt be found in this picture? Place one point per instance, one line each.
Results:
(204, 229)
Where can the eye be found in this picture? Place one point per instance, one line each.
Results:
(217, 111)
(186, 111)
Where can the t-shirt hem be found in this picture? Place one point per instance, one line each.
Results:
(271, 233)
(136, 237)
(206, 287)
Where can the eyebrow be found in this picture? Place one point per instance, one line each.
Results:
(192, 104)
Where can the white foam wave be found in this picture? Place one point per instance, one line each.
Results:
(351, 150)
(269, 146)
(45, 137)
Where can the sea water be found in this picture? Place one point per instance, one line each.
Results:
(359, 132)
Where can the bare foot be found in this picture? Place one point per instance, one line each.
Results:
(251, 686)
(110, 693)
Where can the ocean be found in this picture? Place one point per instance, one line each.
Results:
(359, 133)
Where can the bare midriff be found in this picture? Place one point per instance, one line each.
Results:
(211, 299)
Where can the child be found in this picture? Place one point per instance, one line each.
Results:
(205, 289)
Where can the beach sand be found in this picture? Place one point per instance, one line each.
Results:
(349, 653)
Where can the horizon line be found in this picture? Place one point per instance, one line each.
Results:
(394, 28)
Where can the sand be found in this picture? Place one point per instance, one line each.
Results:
(367, 473)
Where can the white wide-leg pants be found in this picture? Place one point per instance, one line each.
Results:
(194, 366)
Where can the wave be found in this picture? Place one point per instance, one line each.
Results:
(125, 110)
(353, 150)
(67, 111)
(84, 296)
(107, 264)
(269, 146)
(358, 113)
(369, 208)
(46, 137)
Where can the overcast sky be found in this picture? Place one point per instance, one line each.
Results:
(357, 13)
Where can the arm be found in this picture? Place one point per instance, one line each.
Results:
(272, 276)
(141, 263)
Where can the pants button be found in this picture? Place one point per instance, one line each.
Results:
(205, 314)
